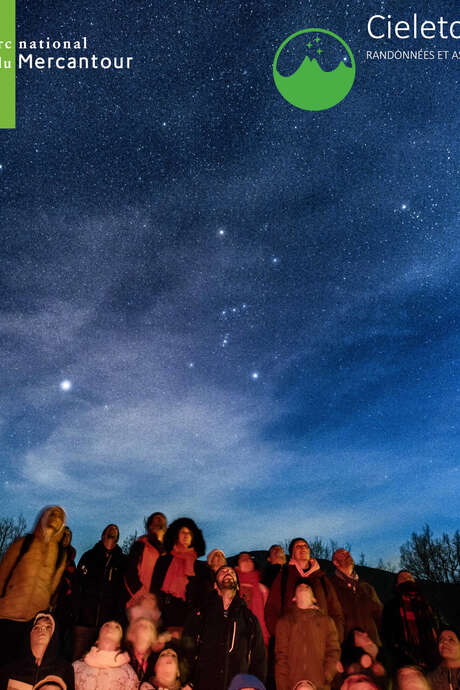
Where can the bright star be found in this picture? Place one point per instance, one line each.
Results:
(221, 232)
(65, 385)
(403, 207)
(275, 260)
(255, 375)
(191, 365)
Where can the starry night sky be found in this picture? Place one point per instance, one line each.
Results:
(256, 306)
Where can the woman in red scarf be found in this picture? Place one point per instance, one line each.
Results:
(252, 590)
(173, 572)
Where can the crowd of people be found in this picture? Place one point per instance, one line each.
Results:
(164, 618)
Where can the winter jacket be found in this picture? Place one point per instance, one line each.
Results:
(218, 644)
(176, 610)
(269, 574)
(29, 578)
(100, 575)
(26, 671)
(443, 678)
(398, 622)
(282, 592)
(101, 670)
(141, 563)
(360, 605)
(306, 648)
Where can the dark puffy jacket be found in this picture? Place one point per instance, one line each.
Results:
(360, 605)
(216, 647)
(100, 575)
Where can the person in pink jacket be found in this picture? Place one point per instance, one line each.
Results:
(106, 667)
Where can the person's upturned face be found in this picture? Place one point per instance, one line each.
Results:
(449, 645)
(405, 576)
(66, 537)
(410, 678)
(111, 631)
(245, 563)
(184, 538)
(55, 519)
(167, 667)
(301, 551)
(277, 556)
(343, 560)
(362, 639)
(358, 682)
(143, 635)
(217, 560)
(304, 597)
(41, 632)
(226, 579)
(157, 524)
(110, 537)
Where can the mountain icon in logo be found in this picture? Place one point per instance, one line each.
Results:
(311, 87)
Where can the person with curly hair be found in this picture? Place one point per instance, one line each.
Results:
(173, 572)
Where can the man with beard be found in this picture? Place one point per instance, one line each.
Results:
(143, 556)
(223, 639)
(100, 576)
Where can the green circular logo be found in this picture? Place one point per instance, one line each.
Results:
(310, 87)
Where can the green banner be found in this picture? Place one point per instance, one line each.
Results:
(7, 64)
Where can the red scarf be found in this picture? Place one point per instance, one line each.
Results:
(255, 596)
(179, 571)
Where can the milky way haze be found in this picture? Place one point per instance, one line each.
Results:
(217, 305)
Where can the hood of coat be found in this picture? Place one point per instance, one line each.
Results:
(297, 614)
(52, 650)
(50, 523)
(244, 680)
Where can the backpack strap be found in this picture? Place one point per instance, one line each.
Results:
(24, 548)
